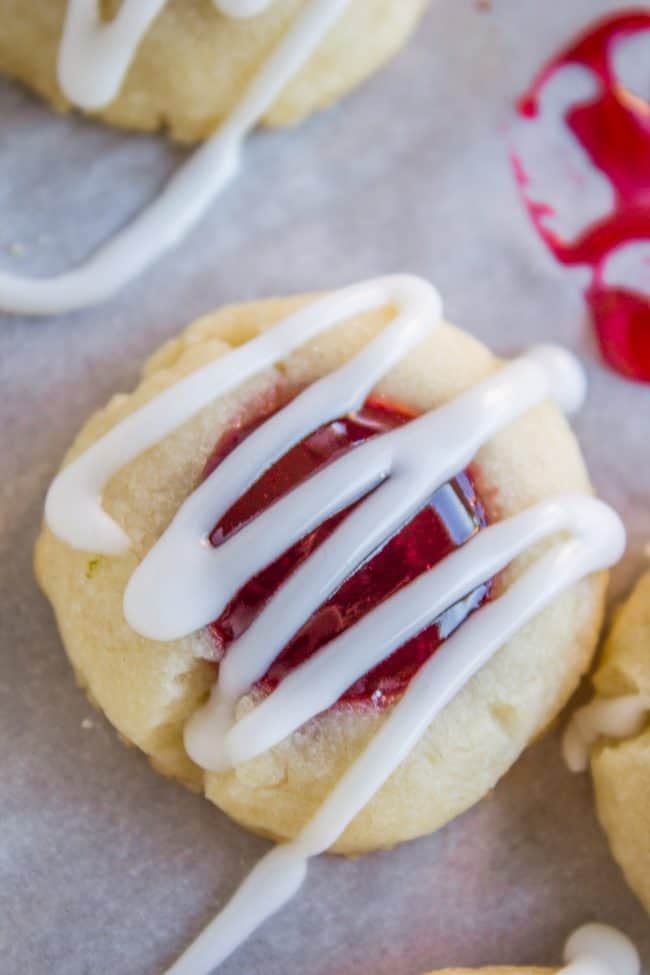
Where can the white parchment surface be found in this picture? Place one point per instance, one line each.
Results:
(105, 867)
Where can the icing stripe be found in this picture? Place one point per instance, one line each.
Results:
(95, 55)
(73, 504)
(195, 185)
(321, 680)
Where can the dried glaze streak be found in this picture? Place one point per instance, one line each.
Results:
(451, 517)
(614, 130)
(94, 58)
(376, 488)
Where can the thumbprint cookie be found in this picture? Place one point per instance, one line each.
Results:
(332, 563)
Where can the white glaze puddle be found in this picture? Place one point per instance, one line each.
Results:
(403, 467)
(597, 949)
(616, 717)
(93, 60)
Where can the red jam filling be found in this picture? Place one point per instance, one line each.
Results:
(451, 516)
(614, 130)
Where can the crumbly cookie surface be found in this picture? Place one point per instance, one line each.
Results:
(621, 769)
(148, 689)
(194, 62)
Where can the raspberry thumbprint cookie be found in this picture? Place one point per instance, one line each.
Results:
(594, 949)
(334, 564)
(201, 69)
(612, 734)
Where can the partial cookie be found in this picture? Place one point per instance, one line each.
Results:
(620, 760)
(149, 689)
(194, 62)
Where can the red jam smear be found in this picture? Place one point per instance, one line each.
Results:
(451, 516)
(614, 130)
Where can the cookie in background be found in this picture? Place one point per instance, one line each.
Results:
(611, 735)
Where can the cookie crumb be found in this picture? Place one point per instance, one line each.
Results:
(92, 565)
(483, 4)
(87, 724)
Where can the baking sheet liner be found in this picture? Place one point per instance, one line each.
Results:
(105, 867)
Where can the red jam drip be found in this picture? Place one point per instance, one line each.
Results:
(434, 532)
(614, 130)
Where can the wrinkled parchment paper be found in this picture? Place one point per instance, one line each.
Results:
(104, 866)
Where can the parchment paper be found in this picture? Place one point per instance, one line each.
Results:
(105, 866)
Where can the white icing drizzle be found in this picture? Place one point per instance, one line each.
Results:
(597, 949)
(73, 504)
(405, 466)
(614, 717)
(400, 469)
(318, 683)
(94, 57)
(279, 874)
